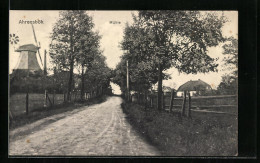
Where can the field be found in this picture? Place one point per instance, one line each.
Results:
(39, 112)
(205, 134)
(17, 102)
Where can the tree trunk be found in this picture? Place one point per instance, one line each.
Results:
(82, 83)
(159, 97)
(172, 98)
(70, 80)
(71, 61)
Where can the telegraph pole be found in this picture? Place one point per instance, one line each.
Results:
(127, 81)
(27, 92)
(45, 63)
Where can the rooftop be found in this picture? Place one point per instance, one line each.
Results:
(195, 85)
(28, 47)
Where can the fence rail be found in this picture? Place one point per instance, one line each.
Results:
(36, 101)
(222, 104)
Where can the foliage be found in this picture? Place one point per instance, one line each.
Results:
(67, 31)
(159, 40)
(76, 45)
(231, 55)
(229, 83)
(182, 38)
(99, 74)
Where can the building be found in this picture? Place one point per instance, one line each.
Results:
(27, 60)
(166, 90)
(196, 87)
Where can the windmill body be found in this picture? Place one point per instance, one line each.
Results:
(28, 72)
(28, 60)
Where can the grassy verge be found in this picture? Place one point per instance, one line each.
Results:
(45, 112)
(205, 134)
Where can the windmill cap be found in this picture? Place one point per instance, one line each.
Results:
(28, 47)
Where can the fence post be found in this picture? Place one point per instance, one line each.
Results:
(75, 96)
(145, 101)
(163, 100)
(53, 97)
(189, 111)
(151, 100)
(64, 97)
(27, 103)
(45, 98)
(183, 104)
(171, 102)
(49, 98)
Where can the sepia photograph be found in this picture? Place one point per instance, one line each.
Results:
(123, 83)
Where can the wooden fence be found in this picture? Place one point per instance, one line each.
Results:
(20, 103)
(221, 104)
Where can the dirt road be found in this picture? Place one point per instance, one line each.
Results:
(101, 129)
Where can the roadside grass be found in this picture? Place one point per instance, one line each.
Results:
(205, 134)
(40, 113)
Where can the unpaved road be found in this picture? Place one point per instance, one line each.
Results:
(100, 129)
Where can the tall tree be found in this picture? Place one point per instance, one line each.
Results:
(141, 67)
(98, 76)
(231, 55)
(180, 40)
(229, 82)
(88, 46)
(67, 31)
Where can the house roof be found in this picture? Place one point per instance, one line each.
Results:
(195, 85)
(28, 47)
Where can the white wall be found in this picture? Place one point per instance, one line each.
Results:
(180, 93)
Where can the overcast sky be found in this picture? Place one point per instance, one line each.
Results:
(112, 35)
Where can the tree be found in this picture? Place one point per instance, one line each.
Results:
(229, 83)
(142, 69)
(179, 39)
(231, 55)
(66, 33)
(98, 76)
(88, 46)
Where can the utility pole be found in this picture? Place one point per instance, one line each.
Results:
(127, 80)
(27, 92)
(45, 63)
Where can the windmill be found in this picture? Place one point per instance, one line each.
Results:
(28, 56)
(27, 64)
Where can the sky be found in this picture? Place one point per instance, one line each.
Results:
(112, 35)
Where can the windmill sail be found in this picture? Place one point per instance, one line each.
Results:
(36, 44)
